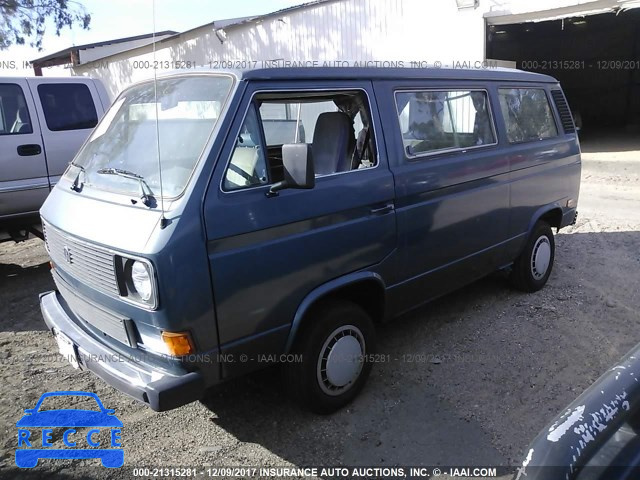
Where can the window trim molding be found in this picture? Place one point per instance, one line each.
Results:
(445, 151)
(244, 117)
(551, 111)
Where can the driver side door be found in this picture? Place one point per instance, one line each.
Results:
(266, 254)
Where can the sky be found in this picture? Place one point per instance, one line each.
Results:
(124, 18)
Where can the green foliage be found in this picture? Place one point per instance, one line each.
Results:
(23, 21)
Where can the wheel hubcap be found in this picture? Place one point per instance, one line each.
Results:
(340, 361)
(541, 258)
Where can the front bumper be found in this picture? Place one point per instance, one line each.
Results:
(140, 379)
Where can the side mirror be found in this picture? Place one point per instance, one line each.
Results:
(298, 168)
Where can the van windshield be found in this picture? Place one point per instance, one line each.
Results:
(129, 139)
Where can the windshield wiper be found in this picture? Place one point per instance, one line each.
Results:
(147, 198)
(75, 186)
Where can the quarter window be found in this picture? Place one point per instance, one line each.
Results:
(431, 121)
(14, 114)
(247, 167)
(527, 114)
(67, 106)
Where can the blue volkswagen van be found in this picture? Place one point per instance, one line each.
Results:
(217, 222)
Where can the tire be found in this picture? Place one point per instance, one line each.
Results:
(532, 268)
(320, 382)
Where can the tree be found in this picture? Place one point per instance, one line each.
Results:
(24, 21)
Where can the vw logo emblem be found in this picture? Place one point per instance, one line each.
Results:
(67, 254)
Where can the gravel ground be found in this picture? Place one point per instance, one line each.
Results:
(471, 379)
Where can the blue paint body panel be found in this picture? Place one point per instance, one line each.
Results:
(238, 270)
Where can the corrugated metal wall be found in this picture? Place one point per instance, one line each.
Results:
(338, 32)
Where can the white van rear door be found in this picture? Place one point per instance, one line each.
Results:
(68, 108)
(23, 170)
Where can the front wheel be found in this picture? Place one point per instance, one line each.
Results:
(532, 268)
(335, 346)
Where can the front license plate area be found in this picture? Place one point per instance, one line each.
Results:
(67, 349)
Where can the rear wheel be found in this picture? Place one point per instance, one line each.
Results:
(532, 268)
(335, 346)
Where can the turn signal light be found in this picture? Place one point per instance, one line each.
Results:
(178, 344)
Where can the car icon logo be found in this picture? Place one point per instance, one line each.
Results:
(80, 427)
(66, 251)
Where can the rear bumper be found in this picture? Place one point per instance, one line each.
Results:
(159, 389)
(569, 217)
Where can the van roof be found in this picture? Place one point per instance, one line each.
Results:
(371, 73)
(310, 73)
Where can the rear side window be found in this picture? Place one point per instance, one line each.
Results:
(527, 114)
(14, 114)
(67, 106)
(431, 121)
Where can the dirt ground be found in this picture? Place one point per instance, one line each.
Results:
(489, 367)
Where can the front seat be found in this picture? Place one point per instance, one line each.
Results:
(333, 143)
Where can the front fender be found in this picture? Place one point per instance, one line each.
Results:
(321, 292)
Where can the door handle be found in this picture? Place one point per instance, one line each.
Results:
(30, 149)
(383, 210)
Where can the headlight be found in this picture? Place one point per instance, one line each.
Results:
(136, 281)
(141, 280)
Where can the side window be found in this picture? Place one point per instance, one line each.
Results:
(289, 122)
(336, 125)
(14, 114)
(527, 114)
(282, 123)
(67, 106)
(431, 121)
(247, 167)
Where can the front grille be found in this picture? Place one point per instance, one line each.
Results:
(90, 264)
(109, 323)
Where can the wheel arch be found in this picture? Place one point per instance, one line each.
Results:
(551, 213)
(367, 289)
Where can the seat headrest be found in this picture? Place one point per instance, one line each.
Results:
(333, 138)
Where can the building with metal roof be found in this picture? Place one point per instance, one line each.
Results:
(82, 54)
(572, 40)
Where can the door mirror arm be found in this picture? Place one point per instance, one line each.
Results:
(274, 190)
